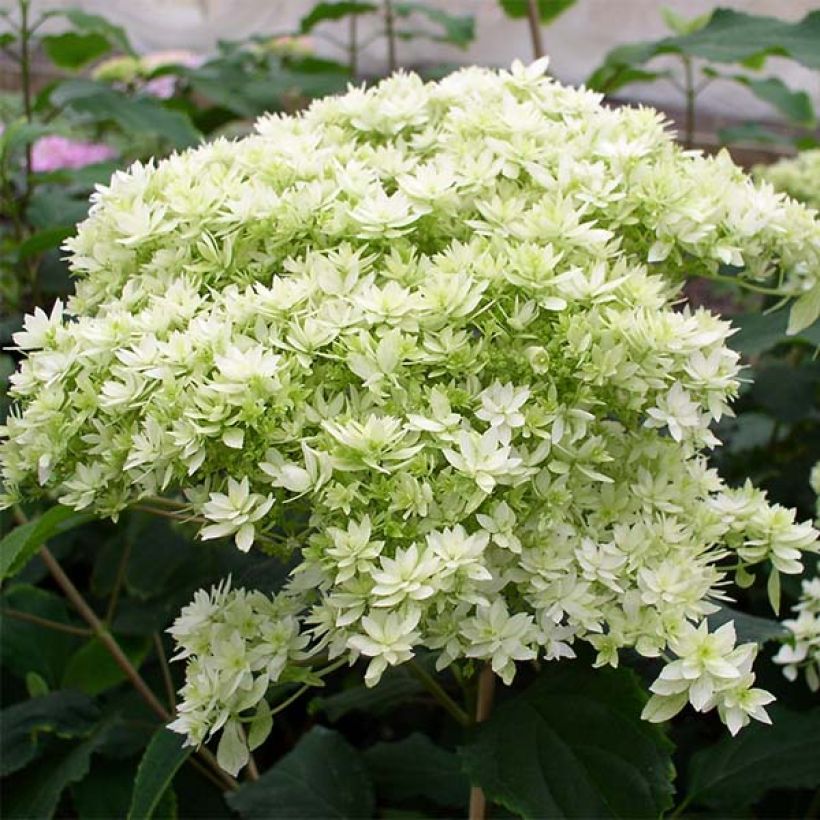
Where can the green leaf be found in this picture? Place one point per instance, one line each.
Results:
(752, 132)
(682, 25)
(805, 311)
(64, 714)
(17, 548)
(548, 10)
(36, 792)
(457, 29)
(94, 24)
(729, 37)
(18, 637)
(106, 791)
(787, 393)
(573, 745)
(794, 105)
(92, 670)
(416, 767)
(73, 51)
(134, 115)
(748, 627)
(735, 772)
(163, 757)
(322, 777)
(397, 685)
(759, 332)
(44, 240)
(322, 12)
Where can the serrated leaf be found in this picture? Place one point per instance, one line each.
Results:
(163, 757)
(737, 771)
(64, 714)
(573, 745)
(322, 777)
(417, 767)
(92, 670)
(18, 547)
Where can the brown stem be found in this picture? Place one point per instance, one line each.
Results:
(118, 581)
(120, 658)
(535, 28)
(170, 691)
(46, 622)
(390, 33)
(353, 46)
(484, 705)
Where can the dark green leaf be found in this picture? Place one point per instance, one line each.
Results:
(92, 670)
(64, 714)
(759, 332)
(322, 777)
(36, 792)
(52, 206)
(322, 12)
(134, 115)
(573, 745)
(164, 755)
(44, 240)
(787, 393)
(73, 51)
(395, 687)
(748, 627)
(729, 37)
(794, 105)
(548, 10)
(53, 648)
(752, 132)
(17, 548)
(735, 772)
(20, 133)
(457, 29)
(106, 791)
(93, 23)
(416, 767)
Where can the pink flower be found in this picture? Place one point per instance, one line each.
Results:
(55, 152)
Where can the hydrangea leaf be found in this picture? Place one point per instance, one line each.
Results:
(163, 756)
(737, 771)
(573, 745)
(323, 777)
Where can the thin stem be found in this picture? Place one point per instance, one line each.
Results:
(437, 691)
(118, 581)
(353, 45)
(167, 680)
(46, 622)
(742, 283)
(120, 658)
(689, 91)
(390, 33)
(484, 705)
(534, 20)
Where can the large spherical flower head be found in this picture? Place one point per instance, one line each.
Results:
(437, 323)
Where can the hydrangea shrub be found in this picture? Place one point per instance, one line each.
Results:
(425, 339)
(798, 176)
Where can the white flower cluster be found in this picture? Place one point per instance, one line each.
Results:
(425, 334)
(802, 649)
(799, 176)
(237, 644)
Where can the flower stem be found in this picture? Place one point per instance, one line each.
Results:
(437, 691)
(45, 622)
(535, 29)
(484, 705)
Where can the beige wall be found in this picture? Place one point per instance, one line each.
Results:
(576, 42)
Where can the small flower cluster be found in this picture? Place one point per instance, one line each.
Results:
(237, 644)
(802, 648)
(427, 336)
(799, 177)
